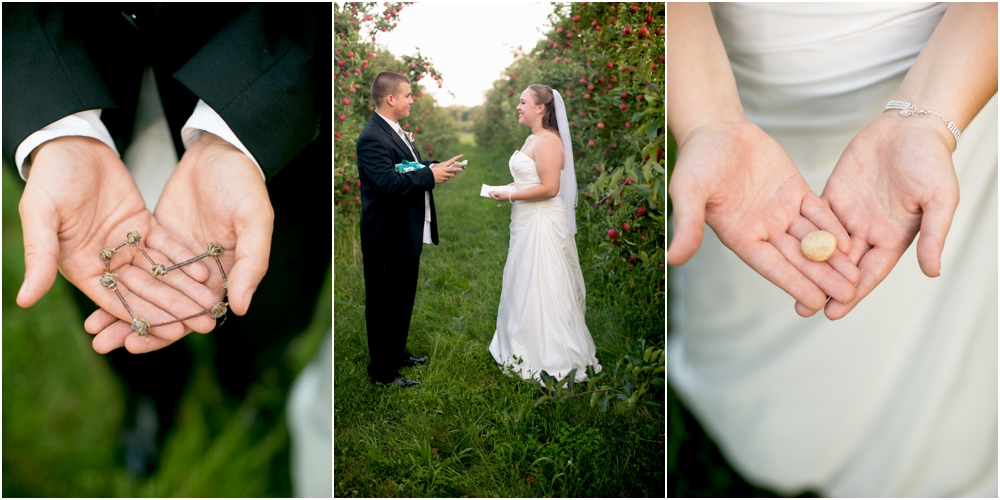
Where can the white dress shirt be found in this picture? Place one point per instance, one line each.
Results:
(427, 195)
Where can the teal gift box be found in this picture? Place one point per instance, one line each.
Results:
(408, 166)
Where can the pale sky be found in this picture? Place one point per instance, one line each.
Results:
(469, 43)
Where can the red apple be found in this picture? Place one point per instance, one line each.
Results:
(600, 124)
(612, 233)
(576, 19)
(611, 65)
(346, 101)
(623, 106)
(628, 124)
(633, 9)
(591, 143)
(627, 30)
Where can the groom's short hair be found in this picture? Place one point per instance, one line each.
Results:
(384, 84)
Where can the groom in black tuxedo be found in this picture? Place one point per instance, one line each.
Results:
(397, 218)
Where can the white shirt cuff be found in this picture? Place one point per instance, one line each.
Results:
(85, 123)
(427, 218)
(205, 119)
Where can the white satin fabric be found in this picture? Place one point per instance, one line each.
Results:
(900, 397)
(540, 319)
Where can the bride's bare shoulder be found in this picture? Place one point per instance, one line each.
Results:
(551, 139)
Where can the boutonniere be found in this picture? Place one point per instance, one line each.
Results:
(409, 136)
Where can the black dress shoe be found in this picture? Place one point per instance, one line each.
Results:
(139, 441)
(411, 361)
(404, 382)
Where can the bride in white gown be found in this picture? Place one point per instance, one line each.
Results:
(540, 321)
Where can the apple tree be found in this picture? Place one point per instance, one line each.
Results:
(357, 60)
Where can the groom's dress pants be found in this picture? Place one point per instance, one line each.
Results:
(390, 289)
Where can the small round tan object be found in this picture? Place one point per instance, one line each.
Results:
(819, 245)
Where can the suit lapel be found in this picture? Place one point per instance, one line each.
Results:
(395, 137)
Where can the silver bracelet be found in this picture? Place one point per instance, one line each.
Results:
(508, 197)
(907, 109)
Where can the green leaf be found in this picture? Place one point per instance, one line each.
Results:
(622, 408)
(543, 399)
(658, 382)
(615, 177)
(547, 379)
(603, 402)
(594, 397)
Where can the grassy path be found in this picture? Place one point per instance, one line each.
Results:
(464, 432)
(62, 405)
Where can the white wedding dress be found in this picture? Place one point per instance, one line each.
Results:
(540, 320)
(899, 398)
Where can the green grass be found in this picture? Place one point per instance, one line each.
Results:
(62, 406)
(466, 431)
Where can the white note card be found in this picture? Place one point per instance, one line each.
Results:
(485, 192)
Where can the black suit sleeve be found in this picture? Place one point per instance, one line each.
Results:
(62, 59)
(265, 75)
(380, 170)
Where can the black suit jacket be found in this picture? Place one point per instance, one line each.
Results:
(254, 64)
(392, 204)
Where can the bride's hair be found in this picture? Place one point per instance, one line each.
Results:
(543, 95)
